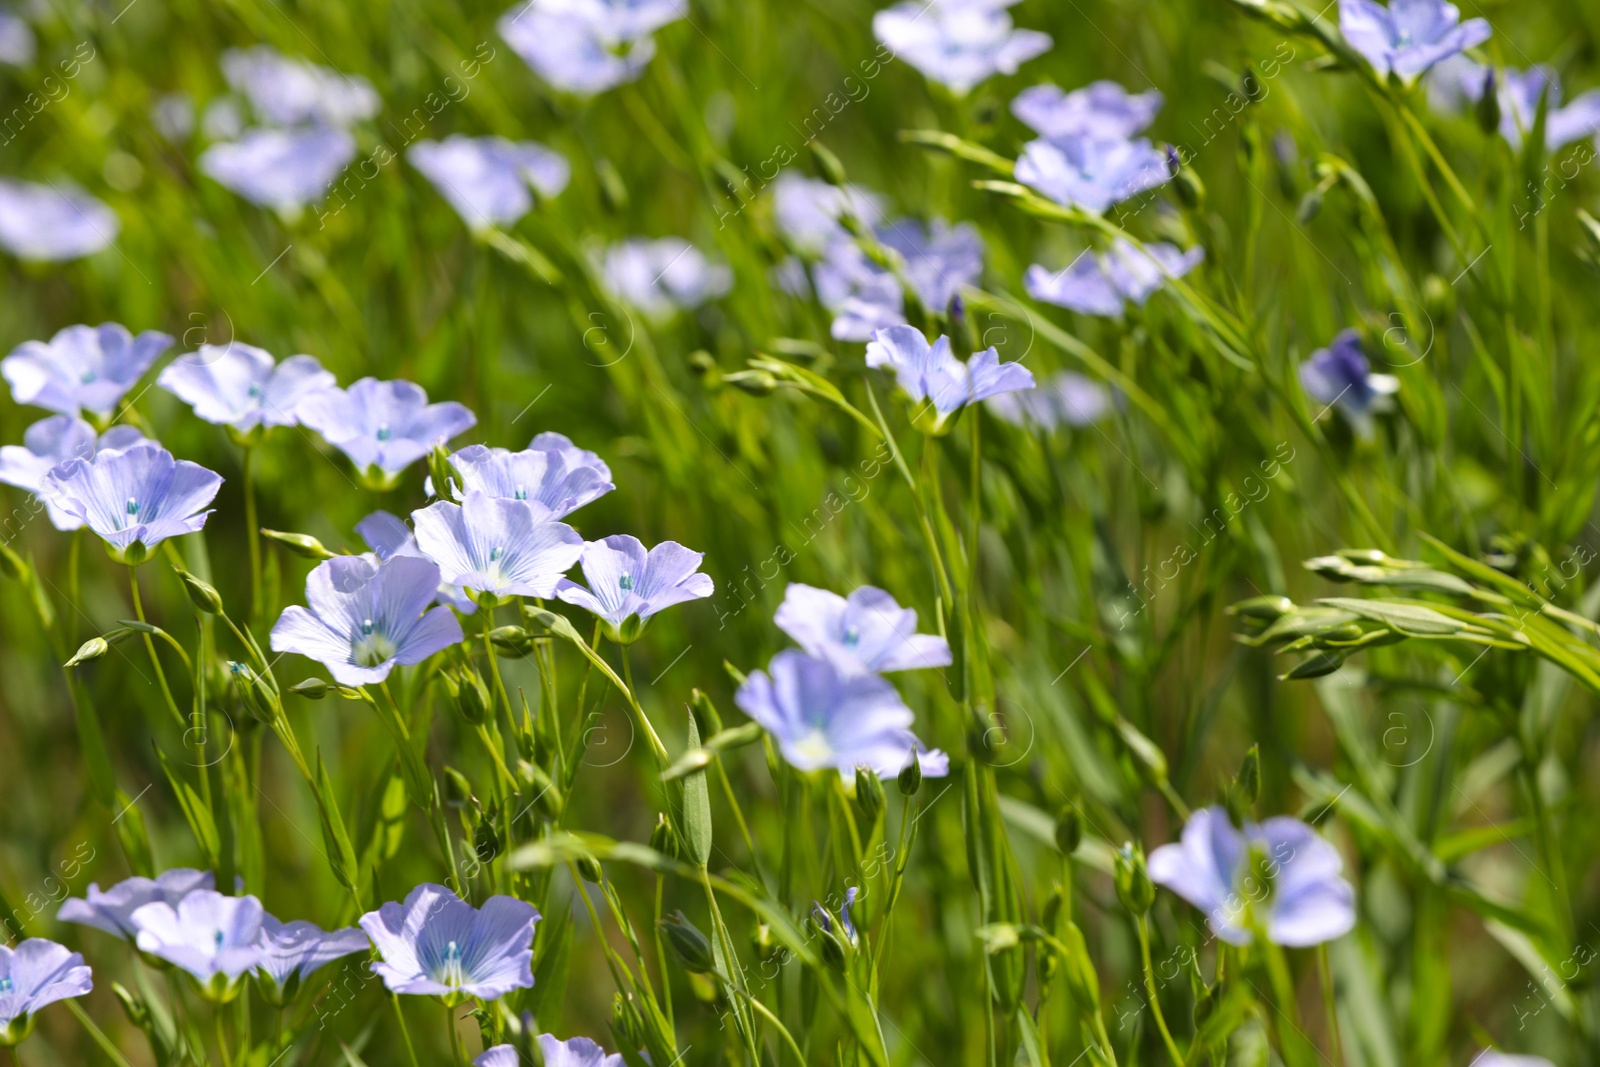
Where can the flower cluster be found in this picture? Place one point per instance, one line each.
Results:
(828, 706)
(1088, 155)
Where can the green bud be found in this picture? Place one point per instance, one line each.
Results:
(310, 689)
(754, 382)
(702, 362)
(132, 1005)
(828, 166)
(1135, 891)
(705, 713)
(511, 641)
(202, 594)
(688, 944)
(1069, 829)
(1310, 206)
(1079, 968)
(590, 870)
(626, 1026)
(486, 843)
(93, 648)
(258, 697)
(869, 795)
(1319, 664)
(303, 545)
(664, 839)
(1265, 608)
(765, 945)
(472, 696)
(911, 776)
(457, 789)
(1438, 299)
(442, 474)
(1488, 110)
(1249, 780)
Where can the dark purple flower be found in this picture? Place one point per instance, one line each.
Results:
(1340, 375)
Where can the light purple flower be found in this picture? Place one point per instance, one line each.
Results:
(1099, 284)
(437, 944)
(808, 210)
(486, 179)
(112, 910)
(134, 498)
(1493, 1058)
(822, 718)
(573, 1052)
(17, 43)
(36, 973)
(49, 443)
(626, 580)
(281, 169)
(363, 617)
(1101, 109)
(1408, 36)
(291, 92)
(662, 276)
(82, 368)
(1306, 903)
(289, 953)
(937, 260)
(573, 53)
(930, 372)
(559, 475)
(957, 45)
(53, 222)
(1340, 375)
(1459, 81)
(498, 547)
(239, 386)
(383, 426)
(212, 936)
(820, 915)
(868, 631)
(1067, 399)
(387, 534)
(1092, 173)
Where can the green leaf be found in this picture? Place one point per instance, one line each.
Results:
(201, 821)
(1412, 620)
(696, 807)
(335, 838)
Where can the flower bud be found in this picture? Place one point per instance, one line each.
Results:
(1069, 829)
(511, 641)
(258, 697)
(688, 944)
(442, 476)
(303, 545)
(472, 696)
(310, 689)
(93, 648)
(911, 776)
(828, 166)
(702, 363)
(132, 1005)
(664, 839)
(457, 789)
(1310, 206)
(1135, 891)
(1265, 608)
(705, 713)
(486, 841)
(589, 869)
(754, 382)
(869, 795)
(1488, 110)
(202, 594)
(1249, 780)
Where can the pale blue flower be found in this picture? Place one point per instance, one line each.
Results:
(1101, 284)
(133, 498)
(82, 368)
(437, 944)
(211, 936)
(32, 975)
(1092, 173)
(868, 631)
(1494, 1058)
(551, 471)
(1408, 36)
(1340, 375)
(112, 910)
(573, 1052)
(1459, 81)
(387, 534)
(626, 580)
(291, 92)
(663, 276)
(808, 210)
(383, 427)
(364, 616)
(588, 46)
(932, 373)
(957, 45)
(937, 261)
(486, 179)
(822, 718)
(1067, 399)
(1101, 109)
(49, 443)
(289, 953)
(53, 222)
(1304, 901)
(239, 386)
(281, 169)
(497, 547)
(17, 44)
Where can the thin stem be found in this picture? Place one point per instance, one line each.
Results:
(411, 1051)
(766, 1013)
(457, 1054)
(150, 647)
(1325, 973)
(222, 1039)
(252, 536)
(1154, 993)
(661, 953)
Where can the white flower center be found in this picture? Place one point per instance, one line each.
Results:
(371, 648)
(814, 748)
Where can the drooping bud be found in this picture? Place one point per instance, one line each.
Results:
(257, 695)
(754, 382)
(664, 839)
(1135, 891)
(93, 648)
(310, 689)
(511, 641)
(202, 594)
(590, 870)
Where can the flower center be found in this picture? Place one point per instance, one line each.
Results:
(496, 553)
(1402, 39)
(132, 506)
(372, 648)
(383, 431)
(218, 937)
(852, 637)
(5, 985)
(450, 972)
(625, 583)
(521, 493)
(87, 377)
(254, 392)
(814, 749)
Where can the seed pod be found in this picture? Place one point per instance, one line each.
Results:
(590, 870)
(664, 839)
(688, 944)
(202, 594)
(472, 696)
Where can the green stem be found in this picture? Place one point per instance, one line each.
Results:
(252, 536)
(150, 647)
(661, 953)
(411, 1051)
(1153, 992)
(457, 1054)
(1325, 973)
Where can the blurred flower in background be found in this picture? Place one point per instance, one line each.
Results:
(112, 910)
(50, 222)
(292, 92)
(1100, 109)
(1065, 399)
(82, 368)
(932, 373)
(663, 276)
(36, 973)
(936, 260)
(868, 631)
(807, 211)
(1459, 82)
(239, 386)
(1408, 36)
(281, 169)
(1101, 283)
(1340, 376)
(588, 46)
(958, 43)
(17, 44)
(1092, 173)
(486, 179)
